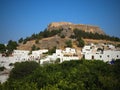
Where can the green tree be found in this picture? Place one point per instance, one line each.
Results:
(51, 51)
(20, 40)
(24, 41)
(23, 69)
(72, 36)
(2, 48)
(12, 45)
(2, 68)
(68, 43)
(33, 36)
(81, 43)
(57, 60)
(33, 48)
(36, 41)
(80, 33)
(62, 36)
(69, 75)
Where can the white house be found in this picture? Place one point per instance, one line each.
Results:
(64, 55)
(105, 55)
(6, 61)
(69, 51)
(86, 49)
(21, 55)
(20, 52)
(36, 54)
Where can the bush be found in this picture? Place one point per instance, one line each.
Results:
(80, 33)
(81, 43)
(33, 48)
(51, 51)
(20, 40)
(70, 75)
(11, 64)
(36, 41)
(2, 68)
(68, 43)
(57, 60)
(2, 48)
(62, 36)
(25, 41)
(23, 69)
(11, 46)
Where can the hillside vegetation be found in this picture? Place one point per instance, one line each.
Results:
(58, 38)
(69, 75)
(61, 35)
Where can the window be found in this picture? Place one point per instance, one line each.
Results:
(117, 55)
(84, 56)
(100, 56)
(107, 55)
(92, 57)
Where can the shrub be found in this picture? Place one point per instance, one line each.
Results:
(51, 51)
(36, 41)
(2, 68)
(23, 69)
(11, 64)
(62, 36)
(69, 43)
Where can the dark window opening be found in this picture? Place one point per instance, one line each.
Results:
(83, 56)
(92, 57)
(117, 55)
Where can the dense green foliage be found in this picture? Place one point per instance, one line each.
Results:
(51, 51)
(42, 34)
(23, 69)
(2, 68)
(34, 48)
(81, 42)
(80, 33)
(62, 36)
(2, 48)
(69, 75)
(68, 43)
(78, 37)
(36, 41)
(9, 48)
(20, 40)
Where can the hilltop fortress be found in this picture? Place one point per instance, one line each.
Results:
(71, 26)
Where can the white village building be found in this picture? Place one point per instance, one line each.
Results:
(20, 55)
(36, 55)
(89, 52)
(94, 52)
(64, 55)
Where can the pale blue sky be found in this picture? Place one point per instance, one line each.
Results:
(22, 18)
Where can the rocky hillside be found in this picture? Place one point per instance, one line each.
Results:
(45, 43)
(63, 34)
(71, 26)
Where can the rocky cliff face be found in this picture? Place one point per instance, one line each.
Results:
(70, 26)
